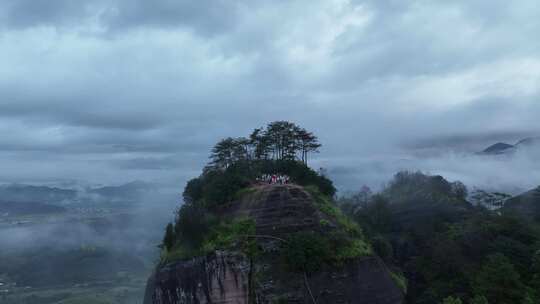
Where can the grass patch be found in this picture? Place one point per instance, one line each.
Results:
(326, 205)
(400, 280)
(347, 241)
(324, 223)
(353, 249)
(309, 251)
(229, 234)
(225, 235)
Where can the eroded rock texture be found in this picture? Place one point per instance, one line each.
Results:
(230, 277)
(219, 278)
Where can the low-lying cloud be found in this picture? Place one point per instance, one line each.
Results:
(112, 91)
(511, 173)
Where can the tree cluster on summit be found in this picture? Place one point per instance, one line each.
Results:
(280, 140)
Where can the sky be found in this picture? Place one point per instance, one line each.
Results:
(112, 91)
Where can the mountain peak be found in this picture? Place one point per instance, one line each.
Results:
(498, 148)
(504, 148)
(281, 224)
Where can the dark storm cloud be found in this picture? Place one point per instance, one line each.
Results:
(141, 89)
(423, 38)
(205, 17)
(29, 13)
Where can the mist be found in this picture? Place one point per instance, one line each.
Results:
(106, 236)
(512, 174)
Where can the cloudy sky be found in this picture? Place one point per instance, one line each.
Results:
(109, 91)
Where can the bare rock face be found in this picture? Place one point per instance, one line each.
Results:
(231, 277)
(219, 278)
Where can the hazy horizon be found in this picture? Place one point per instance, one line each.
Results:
(107, 92)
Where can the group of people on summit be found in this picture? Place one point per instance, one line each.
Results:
(273, 179)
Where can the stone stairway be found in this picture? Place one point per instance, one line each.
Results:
(284, 209)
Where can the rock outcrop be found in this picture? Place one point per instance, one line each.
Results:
(231, 277)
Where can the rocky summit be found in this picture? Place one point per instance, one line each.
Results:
(232, 276)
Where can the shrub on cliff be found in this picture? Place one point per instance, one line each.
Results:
(169, 238)
(236, 163)
(280, 148)
(306, 252)
(192, 224)
(215, 187)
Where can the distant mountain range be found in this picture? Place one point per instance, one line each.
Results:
(27, 208)
(501, 148)
(126, 193)
(129, 191)
(30, 193)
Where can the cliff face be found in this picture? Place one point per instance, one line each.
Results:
(219, 278)
(232, 277)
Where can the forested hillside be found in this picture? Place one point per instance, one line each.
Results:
(449, 250)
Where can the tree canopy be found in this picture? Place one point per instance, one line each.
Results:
(449, 250)
(235, 164)
(280, 140)
(280, 147)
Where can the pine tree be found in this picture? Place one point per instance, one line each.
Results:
(280, 140)
(169, 238)
(222, 153)
(308, 143)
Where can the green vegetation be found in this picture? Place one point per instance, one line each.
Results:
(416, 185)
(326, 205)
(400, 280)
(198, 232)
(235, 164)
(452, 300)
(219, 186)
(308, 251)
(219, 235)
(211, 219)
(280, 140)
(243, 193)
(324, 223)
(449, 250)
(478, 300)
(237, 232)
(282, 147)
(499, 280)
(168, 239)
(346, 248)
(441, 248)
